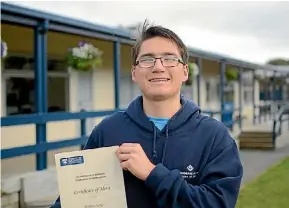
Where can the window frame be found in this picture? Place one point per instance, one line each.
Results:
(29, 73)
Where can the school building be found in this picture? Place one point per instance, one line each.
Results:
(42, 98)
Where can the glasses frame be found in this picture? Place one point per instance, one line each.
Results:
(161, 59)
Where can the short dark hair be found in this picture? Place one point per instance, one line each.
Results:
(150, 31)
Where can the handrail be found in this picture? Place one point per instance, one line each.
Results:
(42, 118)
(236, 119)
(82, 116)
(278, 120)
(268, 110)
(264, 111)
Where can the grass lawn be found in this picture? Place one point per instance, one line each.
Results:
(269, 190)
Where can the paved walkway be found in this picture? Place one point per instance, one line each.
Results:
(255, 162)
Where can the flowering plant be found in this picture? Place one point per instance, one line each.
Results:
(232, 74)
(4, 49)
(193, 71)
(84, 57)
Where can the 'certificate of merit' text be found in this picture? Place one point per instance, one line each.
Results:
(90, 179)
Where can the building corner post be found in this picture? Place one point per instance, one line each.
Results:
(40, 70)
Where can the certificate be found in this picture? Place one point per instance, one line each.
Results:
(90, 179)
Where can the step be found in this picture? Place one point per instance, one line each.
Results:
(255, 134)
(255, 140)
(257, 145)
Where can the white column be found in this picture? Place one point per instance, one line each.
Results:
(257, 96)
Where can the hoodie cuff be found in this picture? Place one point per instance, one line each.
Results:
(156, 176)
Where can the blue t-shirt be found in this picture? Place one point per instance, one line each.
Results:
(160, 123)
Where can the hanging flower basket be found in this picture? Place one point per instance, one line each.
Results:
(277, 80)
(193, 71)
(231, 75)
(4, 49)
(84, 57)
(260, 77)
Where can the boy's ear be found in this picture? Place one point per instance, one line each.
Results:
(133, 73)
(186, 73)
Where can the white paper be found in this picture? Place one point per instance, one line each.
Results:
(90, 179)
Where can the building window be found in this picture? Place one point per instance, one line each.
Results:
(18, 87)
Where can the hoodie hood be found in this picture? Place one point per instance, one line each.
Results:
(136, 113)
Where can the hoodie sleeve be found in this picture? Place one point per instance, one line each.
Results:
(219, 181)
(92, 143)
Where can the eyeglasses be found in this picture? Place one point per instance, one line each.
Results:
(166, 61)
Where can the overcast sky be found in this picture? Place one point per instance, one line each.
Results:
(251, 31)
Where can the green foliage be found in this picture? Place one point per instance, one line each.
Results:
(232, 74)
(191, 68)
(84, 57)
(269, 190)
(189, 82)
(278, 62)
(83, 64)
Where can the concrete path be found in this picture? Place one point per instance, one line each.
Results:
(255, 162)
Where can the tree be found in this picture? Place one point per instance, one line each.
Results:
(278, 61)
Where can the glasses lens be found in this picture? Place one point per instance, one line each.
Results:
(169, 61)
(147, 62)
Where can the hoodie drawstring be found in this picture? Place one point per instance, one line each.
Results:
(165, 145)
(154, 144)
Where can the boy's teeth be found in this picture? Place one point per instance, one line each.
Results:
(157, 80)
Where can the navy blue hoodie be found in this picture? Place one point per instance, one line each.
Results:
(197, 161)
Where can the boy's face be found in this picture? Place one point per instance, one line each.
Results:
(159, 81)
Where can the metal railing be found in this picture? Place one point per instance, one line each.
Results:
(229, 123)
(282, 116)
(43, 118)
(267, 111)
